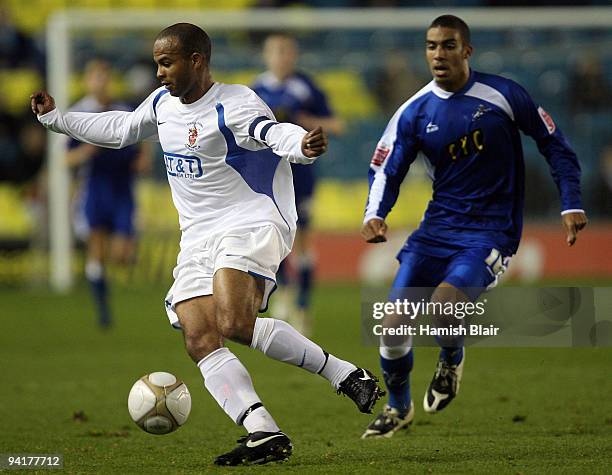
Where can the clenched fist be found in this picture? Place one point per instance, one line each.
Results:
(573, 222)
(314, 143)
(41, 102)
(374, 230)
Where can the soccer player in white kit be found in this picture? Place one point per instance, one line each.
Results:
(227, 162)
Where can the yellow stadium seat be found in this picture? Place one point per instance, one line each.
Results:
(15, 220)
(17, 86)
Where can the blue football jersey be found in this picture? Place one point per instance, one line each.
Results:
(472, 147)
(287, 98)
(108, 170)
(106, 198)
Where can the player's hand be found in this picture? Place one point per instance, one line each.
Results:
(314, 143)
(374, 230)
(41, 102)
(573, 222)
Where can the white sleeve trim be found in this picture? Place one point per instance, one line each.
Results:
(47, 117)
(567, 211)
(370, 216)
(376, 193)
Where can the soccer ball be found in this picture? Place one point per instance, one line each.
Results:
(159, 403)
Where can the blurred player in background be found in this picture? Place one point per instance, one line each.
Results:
(227, 161)
(105, 205)
(294, 97)
(467, 125)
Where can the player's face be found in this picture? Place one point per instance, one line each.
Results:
(177, 73)
(280, 55)
(97, 79)
(447, 57)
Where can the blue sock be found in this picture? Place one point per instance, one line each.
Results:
(451, 355)
(396, 374)
(100, 295)
(305, 284)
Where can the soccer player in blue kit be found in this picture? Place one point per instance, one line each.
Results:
(467, 125)
(105, 203)
(294, 97)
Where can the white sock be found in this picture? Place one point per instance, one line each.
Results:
(94, 270)
(259, 420)
(394, 352)
(336, 370)
(228, 381)
(280, 341)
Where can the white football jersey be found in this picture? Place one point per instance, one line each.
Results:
(226, 157)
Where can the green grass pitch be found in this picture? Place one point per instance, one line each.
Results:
(519, 410)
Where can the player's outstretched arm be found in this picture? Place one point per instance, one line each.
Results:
(111, 129)
(374, 230)
(573, 223)
(314, 143)
(250, 118)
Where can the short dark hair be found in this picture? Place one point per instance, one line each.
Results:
(455, 23)
(191, 38)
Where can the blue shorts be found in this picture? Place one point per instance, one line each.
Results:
(304, 180)
(113, 213)
(471, 270)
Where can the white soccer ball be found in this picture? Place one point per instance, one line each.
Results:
(159, 403)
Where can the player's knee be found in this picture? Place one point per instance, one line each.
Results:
(444, 296)
(121, 256)
(395, 352)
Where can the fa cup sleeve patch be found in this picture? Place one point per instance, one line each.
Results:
(380, 154)
(548, 121)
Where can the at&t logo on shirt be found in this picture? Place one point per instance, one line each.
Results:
(183, 166)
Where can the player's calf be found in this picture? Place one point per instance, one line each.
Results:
(280, 341)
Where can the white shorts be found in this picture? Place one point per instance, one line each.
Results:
(256, 251)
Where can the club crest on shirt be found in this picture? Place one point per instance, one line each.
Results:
(480, 111)
(194, 128)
